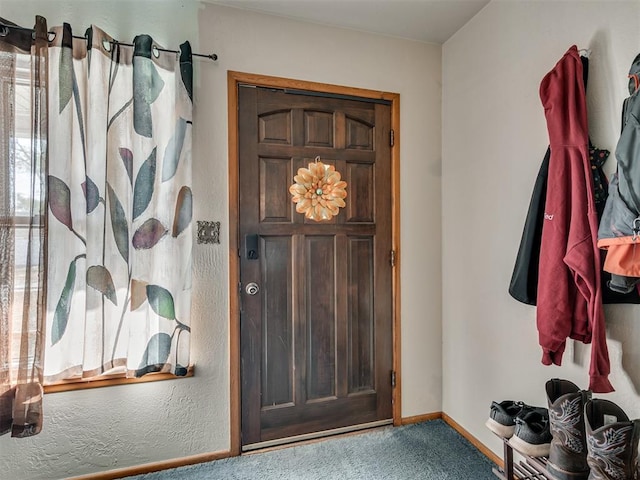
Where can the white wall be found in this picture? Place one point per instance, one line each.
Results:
(102, 429)
(494, 139)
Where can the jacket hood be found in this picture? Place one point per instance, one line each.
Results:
(634, 75)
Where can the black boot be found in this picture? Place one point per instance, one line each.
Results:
(568, 453)
(612, 441)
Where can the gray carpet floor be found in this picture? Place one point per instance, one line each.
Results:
(427, 451)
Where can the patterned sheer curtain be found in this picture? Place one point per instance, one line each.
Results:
(120, 207)
(23, 137)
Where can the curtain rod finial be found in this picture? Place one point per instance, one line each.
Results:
(211, 56)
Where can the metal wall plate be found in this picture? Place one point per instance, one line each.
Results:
(208, 232)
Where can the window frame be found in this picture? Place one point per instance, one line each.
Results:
(110, 380)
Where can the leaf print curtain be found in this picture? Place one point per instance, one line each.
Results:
(23, 138)
(120, 207)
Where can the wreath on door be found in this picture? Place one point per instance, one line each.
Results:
(318, 191)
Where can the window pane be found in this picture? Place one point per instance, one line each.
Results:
(20, 282)
(22, 147)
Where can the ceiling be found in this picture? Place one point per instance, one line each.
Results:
(433, 21)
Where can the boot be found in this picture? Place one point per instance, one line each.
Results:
(612, 442)
(568, 452)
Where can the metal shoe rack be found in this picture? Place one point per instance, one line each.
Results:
(530, 468)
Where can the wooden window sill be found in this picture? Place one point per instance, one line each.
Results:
(110, 380)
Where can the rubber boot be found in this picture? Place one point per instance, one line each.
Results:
(568, 452)
(612, 442)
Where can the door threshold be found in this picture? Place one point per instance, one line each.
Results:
(314, 435)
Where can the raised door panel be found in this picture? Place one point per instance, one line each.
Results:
(275, 200)
(277, 323)
(359, 134)
(320, 317)
(361, 193)
(318, 129)
(275, 127)
(360, 315)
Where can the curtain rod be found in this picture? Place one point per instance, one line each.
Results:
(212, 56)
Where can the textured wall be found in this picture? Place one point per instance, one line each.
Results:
(493, 143)
(95, 430)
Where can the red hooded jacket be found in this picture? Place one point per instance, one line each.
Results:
(569, 292)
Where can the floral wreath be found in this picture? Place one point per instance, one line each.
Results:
(319, 192)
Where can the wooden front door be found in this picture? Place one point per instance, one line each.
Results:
(316, 306)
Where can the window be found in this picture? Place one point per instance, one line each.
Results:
(118, 220)
(16, 128)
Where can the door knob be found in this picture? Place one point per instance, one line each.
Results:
(252, 288)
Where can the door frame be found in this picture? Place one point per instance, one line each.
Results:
(233, 81)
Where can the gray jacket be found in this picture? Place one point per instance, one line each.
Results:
(620, 224)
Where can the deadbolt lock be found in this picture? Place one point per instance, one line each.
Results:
(252, 288)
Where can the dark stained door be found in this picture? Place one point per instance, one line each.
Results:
(316, 339)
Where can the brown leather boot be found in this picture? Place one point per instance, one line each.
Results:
(612, 442)
(568, 453)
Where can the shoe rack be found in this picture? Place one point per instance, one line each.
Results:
(530, 468)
